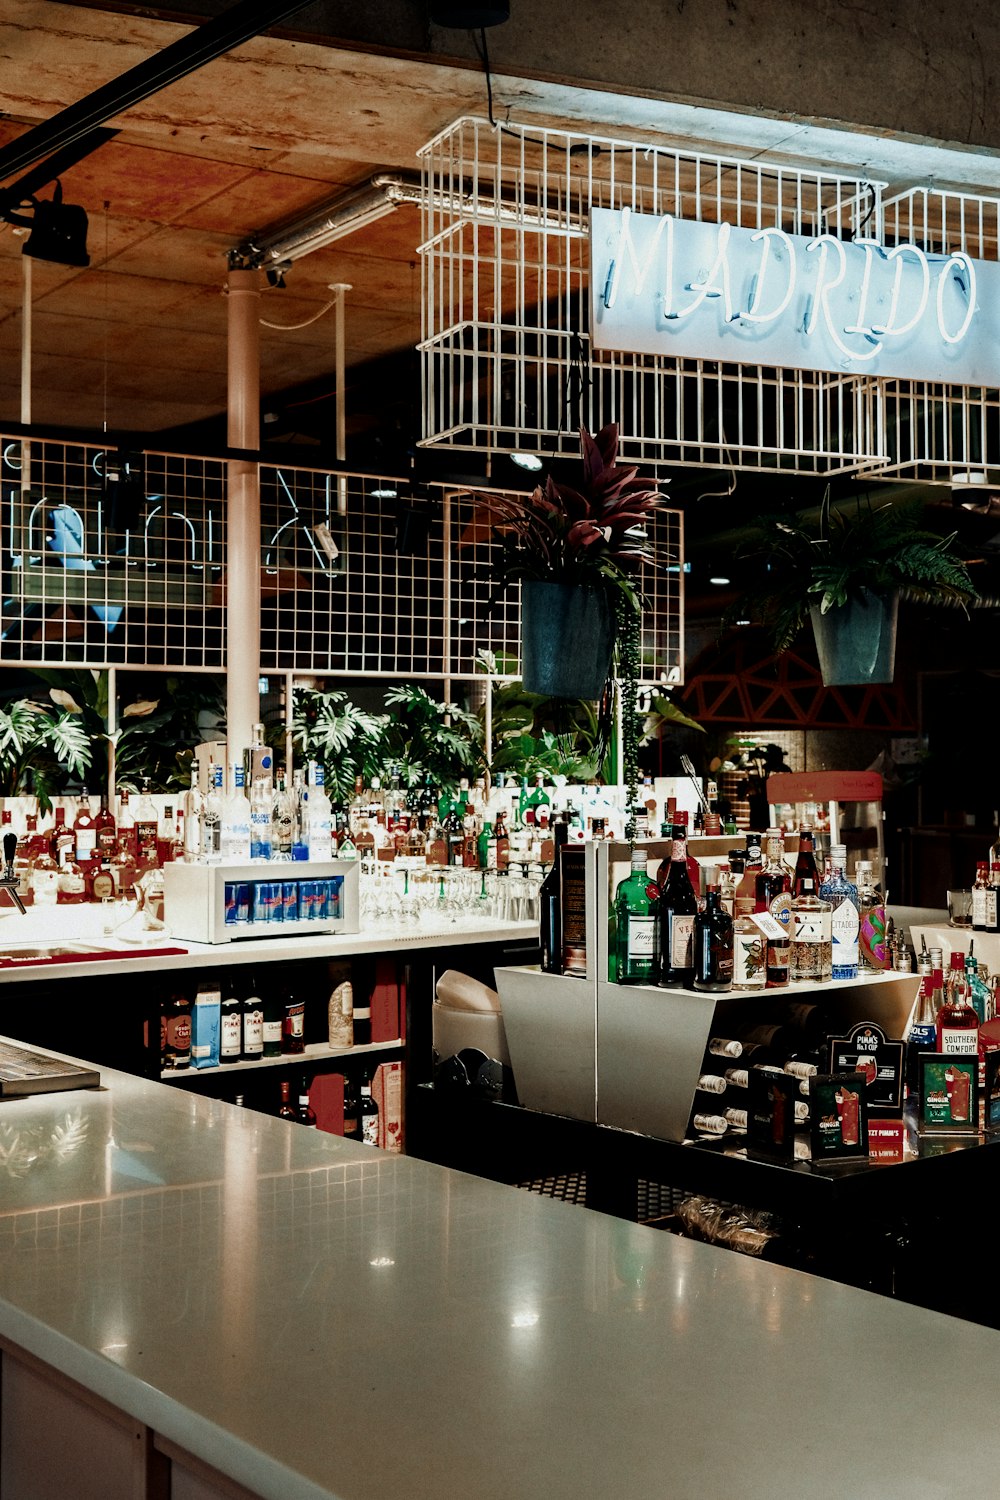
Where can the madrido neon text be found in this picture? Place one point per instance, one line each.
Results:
(662, 285)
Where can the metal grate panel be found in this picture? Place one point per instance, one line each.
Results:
(507, 362)
(355, 582)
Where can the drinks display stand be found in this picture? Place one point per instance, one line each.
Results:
(630, 1056)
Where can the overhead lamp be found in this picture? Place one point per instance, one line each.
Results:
(384, 492)
(58, 230)
(465, 15)
(720, 582)
(529, 461)
(335, 219)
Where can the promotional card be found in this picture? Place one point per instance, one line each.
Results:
(866, 1050)
(949, 1093)
(839, 1125)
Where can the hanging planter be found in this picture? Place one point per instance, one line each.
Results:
(845, 569)
(567, 636)
(856, 641)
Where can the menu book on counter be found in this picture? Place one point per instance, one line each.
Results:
(25, 1072)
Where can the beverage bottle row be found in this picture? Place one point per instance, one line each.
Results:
(234, 1020)
(361, 1112)
(771, 925)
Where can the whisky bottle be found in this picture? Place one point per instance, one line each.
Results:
(842, 895)
(637, 918)
(85, 830)
(957, 1022)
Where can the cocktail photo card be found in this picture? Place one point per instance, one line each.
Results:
(949, 1093)
(839, 1125)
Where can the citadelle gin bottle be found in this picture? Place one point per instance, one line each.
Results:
(842, 895)
(637, 925)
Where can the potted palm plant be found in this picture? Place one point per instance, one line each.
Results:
(576, 551)
(846, 574)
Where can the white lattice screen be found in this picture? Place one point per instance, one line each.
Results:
(119, 560)
(934, 431)
(505, 344)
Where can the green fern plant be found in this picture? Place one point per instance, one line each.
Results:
(41, 746)
(852, 551)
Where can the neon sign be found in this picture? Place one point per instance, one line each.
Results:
(661, 285)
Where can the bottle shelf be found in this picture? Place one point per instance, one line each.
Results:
(314, 1052)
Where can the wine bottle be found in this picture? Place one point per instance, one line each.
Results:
(286, 1109)
(549, 899)
(678, 909)
(368, 1119)
(306, 1113)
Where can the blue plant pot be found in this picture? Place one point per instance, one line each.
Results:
(856, 643)
(567, 634)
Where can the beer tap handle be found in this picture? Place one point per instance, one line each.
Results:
(9, 850)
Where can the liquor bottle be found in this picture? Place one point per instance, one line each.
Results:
(704, 1124)
(319, 831)
(273, 1024)
(678, 909)
(72, 881)
(62, 839)
(293, 1024)
(252, 1018)
(805, 863)
(774, 878)
(812, 942)
(745, 894)
(957, 1022)
(286, 1109)
(749, 950)
(727, 888)
(231, 1023)
(502, 840)
(211, 821)
(106, 832)
(351, 1123)
(486, 848)
(842, 895)
(871, 913)
(85, 830)
(176, 1029)
(126, 826)
(367, 1113)
(166, 833)
(193, 805)
(234, 829)
(306, 1113)
(712, 1083)
(923, 1028)
(340, 1015)
(550, 905)
(979, 889)
(713, 945)
(678, 819)
(282, 820)
(146, 826)
(260, 819)
(300, 821)
(637, 923)
(993, 899)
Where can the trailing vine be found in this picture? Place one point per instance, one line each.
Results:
(628, 648)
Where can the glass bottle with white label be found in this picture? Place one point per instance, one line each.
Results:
(678, 909)
(749, 953)
(842, 895)
(957, 1022)
(812, 941)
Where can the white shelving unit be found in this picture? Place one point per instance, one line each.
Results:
(314, 1052)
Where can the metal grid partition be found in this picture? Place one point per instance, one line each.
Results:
(111, 558)
(507, 362)
(119, 559)
(934, 430)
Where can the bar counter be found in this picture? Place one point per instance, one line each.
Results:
(316, 1319)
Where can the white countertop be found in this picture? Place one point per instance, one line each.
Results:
(318, 1319)
(83, 923)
